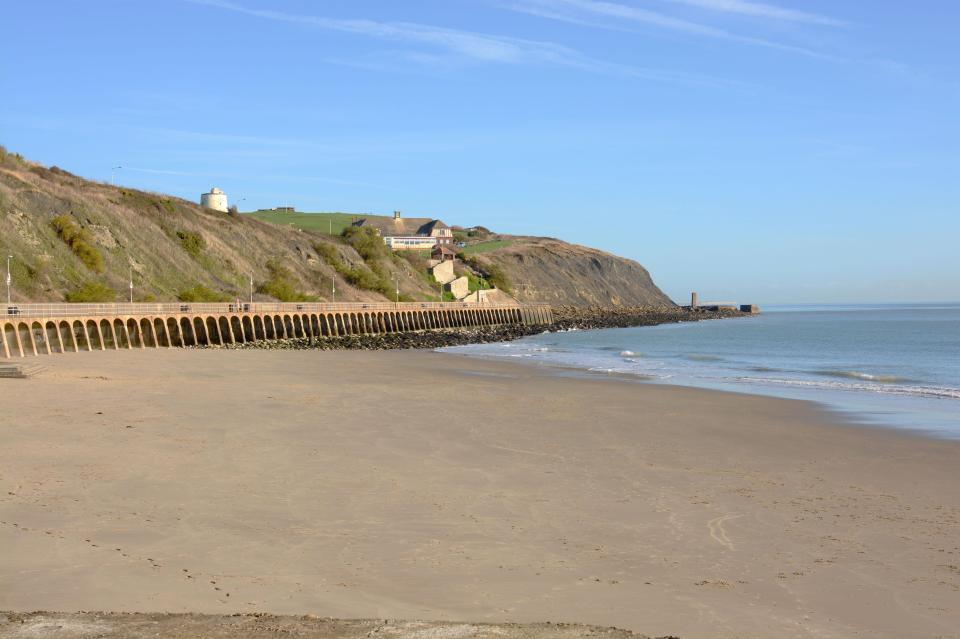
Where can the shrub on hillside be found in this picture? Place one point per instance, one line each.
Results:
(372, 278)
(367, 242)
(283, 285)
(493, 273)
(90, 293)
(192, 243)
(201, 293)
(79, 242)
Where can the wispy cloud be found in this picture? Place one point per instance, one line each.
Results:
(619, 17)
(470, 45)
(761, 10)
(476, 46)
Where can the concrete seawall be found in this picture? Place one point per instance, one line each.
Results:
(64, 328)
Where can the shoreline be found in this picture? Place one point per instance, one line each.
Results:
(835, 413)
(314, 483)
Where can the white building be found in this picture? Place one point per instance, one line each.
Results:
(215, 199)
(410, 242)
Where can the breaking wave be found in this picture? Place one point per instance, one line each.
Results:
(867, 377)
(935, 392)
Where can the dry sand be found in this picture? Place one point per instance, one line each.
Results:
(416, 485)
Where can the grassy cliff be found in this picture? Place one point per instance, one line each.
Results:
(78, 240)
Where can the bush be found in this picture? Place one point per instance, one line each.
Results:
(192, 243)
(493, 273)
(201, 293)
(366, 241)
(79, 242)
(283, 285)
(372, 278)
(92, 292)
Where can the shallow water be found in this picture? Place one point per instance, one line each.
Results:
(894, 365)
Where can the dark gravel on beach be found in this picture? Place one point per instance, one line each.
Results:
(565, 318)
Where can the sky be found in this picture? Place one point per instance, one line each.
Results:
(791, 151)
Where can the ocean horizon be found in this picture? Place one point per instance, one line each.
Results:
(894, 365)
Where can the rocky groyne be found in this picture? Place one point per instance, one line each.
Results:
(592, 317)
(565, 318)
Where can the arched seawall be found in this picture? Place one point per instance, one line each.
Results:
(51, 329)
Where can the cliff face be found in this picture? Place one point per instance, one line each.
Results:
(176, 248)
(553, 272)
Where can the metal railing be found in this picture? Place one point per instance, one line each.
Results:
(180, 308)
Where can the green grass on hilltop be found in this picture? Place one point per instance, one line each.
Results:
(485, 247)
(327, 223)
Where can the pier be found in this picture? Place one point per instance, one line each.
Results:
(47, 329)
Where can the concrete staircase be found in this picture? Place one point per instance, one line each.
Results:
(443, 273)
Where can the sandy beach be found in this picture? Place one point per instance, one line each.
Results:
(419, 485)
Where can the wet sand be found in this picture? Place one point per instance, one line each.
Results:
(416, 485)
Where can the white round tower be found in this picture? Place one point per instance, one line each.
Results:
(215, 199)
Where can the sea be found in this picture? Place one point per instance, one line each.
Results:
(889, 365)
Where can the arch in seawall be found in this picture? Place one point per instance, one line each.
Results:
(37, 343)
(105, 328)
(23, 338)
(4, 346)
(210, 330)
(90, 334)
(133, 330)
(146, 333)
(246, 324)
(326, 324)
(322, 326)
(199, 330)
(67, 336)
(160, 332)
(120, 330)
(50, 332)
(11, 344)
(172, 328)
(186, 332)
(18, 338)
(224, 330)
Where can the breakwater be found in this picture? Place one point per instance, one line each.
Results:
(563, 318)
(45, 329)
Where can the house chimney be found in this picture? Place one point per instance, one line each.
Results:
(396, 216)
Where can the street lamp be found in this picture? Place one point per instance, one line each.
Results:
(9, 279)
(333, 282)
(131, 285)
(398, 291)
(113, 180)
(251, 289)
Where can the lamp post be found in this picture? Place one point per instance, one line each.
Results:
(333, 283)
(9, 279)
(251, 289)
(131, 285)
(113, 179)
(398, 292)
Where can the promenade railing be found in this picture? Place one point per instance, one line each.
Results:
(179, 308)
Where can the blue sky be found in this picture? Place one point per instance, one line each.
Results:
(790, 151)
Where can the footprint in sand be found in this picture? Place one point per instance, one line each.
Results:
(718, 533)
